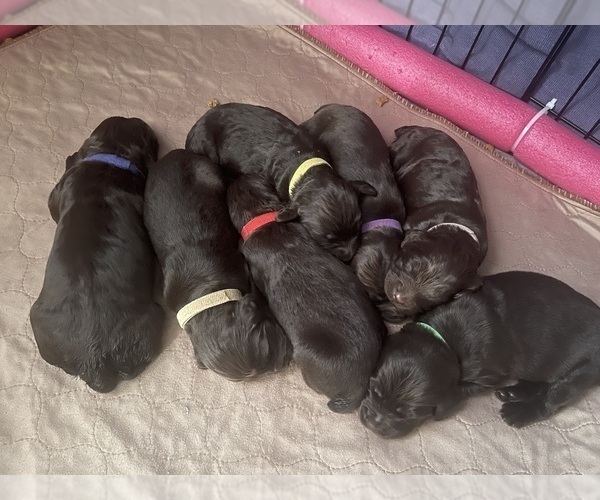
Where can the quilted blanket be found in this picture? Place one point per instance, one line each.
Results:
(56, 85)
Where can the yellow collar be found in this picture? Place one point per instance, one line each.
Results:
(304, 167)
(195, 307)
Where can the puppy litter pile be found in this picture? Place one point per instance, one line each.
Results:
(58, 84)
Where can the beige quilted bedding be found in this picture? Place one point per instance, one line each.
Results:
(55, 86)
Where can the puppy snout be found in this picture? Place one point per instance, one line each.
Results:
(345, 254)
(400, 299)
(371, 415)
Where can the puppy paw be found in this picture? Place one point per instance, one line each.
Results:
(341, 405)
(519, 414)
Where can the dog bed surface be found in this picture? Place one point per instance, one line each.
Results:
(57, 84)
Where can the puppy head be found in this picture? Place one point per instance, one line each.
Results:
(246, 341)
(130, 138)
(91, 367)
(83, 360)
(373, 259)
(430, 269)
(415, 377)
(329, 208)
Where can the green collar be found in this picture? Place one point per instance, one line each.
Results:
(433, 331)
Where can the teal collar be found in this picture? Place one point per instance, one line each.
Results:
(433, 331)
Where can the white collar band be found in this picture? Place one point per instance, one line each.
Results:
(466, 229)
(214, 299)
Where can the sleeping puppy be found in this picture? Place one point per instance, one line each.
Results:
(244, 138)
(445, 226)
(96, 317)
(519, 326)
(205, 277)
(335, 330)
(359, 153)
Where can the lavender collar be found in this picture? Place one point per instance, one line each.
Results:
(115, 161)
(374, 224)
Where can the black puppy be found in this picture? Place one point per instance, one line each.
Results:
(231, 328)
(519, 326)
(244, 138)
(96, 317)
(445, 226)
(335, 330)
(359, 153)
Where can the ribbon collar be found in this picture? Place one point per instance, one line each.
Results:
(258, 222)
(374, 224)
(214, 299)
(433, 331)
(304, 167)
(115, 161)
(466, 229)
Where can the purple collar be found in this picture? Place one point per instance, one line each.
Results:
(374, 224)
(116, 161)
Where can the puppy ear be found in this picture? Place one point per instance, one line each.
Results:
(472, 286)
(71, 160)
(54, 202)
(363, 187)
(287, 214)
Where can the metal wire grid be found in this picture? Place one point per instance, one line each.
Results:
(414, 10)
(534, 84)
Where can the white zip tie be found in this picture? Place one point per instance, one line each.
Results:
(550, 105)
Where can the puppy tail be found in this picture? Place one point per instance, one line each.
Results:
(345, 405)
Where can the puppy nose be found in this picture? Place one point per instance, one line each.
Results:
(372, 415)
(344, 254)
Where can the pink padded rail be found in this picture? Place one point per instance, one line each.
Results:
(498, 118)
(12, 31)
(10, 6)
(354, 12)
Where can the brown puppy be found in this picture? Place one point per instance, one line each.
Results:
(335, 330)
(96, 317)
(519, 326)
(188, 221)
(243, 139)
(359, 153)
(445, 226)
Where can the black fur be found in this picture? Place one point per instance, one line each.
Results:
(359, 153)
(197, 247)
(96, 317)
(335, 330)
(519, 326)
(438, 185)
(244, 138)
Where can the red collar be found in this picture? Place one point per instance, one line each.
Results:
(257, 222)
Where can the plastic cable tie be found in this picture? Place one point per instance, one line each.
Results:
(550, 105)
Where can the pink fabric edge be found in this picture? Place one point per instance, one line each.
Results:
(354, 12)
(491, 114)
(12, 31)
